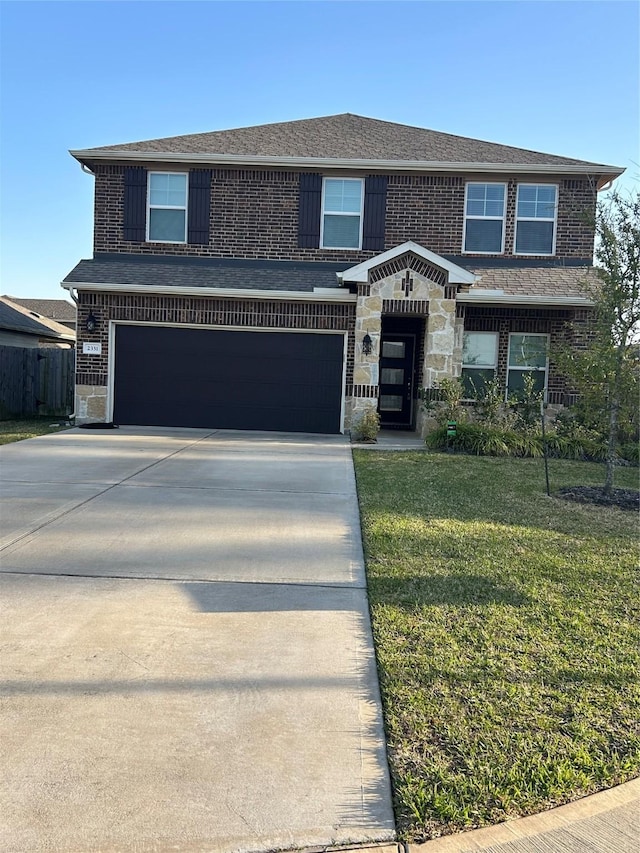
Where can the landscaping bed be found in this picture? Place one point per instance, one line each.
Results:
(507, 632)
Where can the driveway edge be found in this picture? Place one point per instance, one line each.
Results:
(556, 819)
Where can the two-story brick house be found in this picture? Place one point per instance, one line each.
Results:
(288, 276)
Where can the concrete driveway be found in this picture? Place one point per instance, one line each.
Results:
(185, 645)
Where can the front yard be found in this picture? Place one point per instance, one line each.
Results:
(507, 635)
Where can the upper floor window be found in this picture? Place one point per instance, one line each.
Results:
(536, 219)
(342, 203)
(484, 218)
(167, 219)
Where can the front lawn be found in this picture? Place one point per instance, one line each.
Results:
(21, 428)
(507, 635)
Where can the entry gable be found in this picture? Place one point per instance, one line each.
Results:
(400, 257)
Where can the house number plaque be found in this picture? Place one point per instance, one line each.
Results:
(91, 349)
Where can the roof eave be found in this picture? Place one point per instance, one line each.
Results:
(322, 295)
(493, 298)
(87, 157)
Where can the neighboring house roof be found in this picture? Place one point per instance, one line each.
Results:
(54, 309)
(222, 274)
(342, 139)
(15, 318)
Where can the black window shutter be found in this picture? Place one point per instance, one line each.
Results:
(309, 211)
(199, 206)
(375, 204)
(135, 204)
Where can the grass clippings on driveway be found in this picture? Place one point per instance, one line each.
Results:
(21, 428)
(506, 631)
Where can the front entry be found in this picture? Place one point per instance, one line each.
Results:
(397, 368)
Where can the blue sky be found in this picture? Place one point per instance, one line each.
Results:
(560, 77)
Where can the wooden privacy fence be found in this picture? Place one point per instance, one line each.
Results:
(36, 381)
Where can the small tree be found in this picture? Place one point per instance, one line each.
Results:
(605, 373)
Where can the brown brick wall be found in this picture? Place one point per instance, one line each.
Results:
(209, 311)
(254, 214)
(557, 323)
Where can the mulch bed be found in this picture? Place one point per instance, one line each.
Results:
(628, 499)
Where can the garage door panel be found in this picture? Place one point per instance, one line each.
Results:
(285, 381)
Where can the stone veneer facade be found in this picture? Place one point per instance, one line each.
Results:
(407, 287)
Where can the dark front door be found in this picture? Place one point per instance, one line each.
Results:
(397, 355)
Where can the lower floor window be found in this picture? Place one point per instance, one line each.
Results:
(479, 361)
(527, 357)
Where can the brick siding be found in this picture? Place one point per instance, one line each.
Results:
(254, 214)
(206, 311)
(560, 324)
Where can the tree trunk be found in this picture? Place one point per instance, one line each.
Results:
(611, 444)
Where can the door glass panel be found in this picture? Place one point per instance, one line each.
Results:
(390, 403)
(392, 376)
(393, 349)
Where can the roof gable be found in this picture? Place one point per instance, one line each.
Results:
(455, 274)
(344, 137)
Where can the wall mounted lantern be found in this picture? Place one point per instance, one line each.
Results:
(91, 322)
(367, 344)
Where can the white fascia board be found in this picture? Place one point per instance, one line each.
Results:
(335, 294)
(492, 297)
(360, 273)
(84, 155)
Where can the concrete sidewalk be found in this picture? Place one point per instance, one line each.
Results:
(186, 653)
(607, 822)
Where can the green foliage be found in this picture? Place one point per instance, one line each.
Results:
(485, 440)
(449, 407)
(368, 426)
(490, 407)
(606, 372)
(526, 404)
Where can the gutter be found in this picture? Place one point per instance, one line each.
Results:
(319, 295)
(495, 297)
(88, 156)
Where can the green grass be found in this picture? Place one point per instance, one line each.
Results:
(19, 429)
(506, 631)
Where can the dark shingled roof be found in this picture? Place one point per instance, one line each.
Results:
(53, 309)
(343, 137)
(522, 278)
(196, 272)
(15, 318)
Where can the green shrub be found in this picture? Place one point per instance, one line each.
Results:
(482, 440)
(368, 426)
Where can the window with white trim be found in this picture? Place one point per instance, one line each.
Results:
(528, 355)
(536, 207)
(484, 218)
(342, 204)
(167, 207)
(479, 361)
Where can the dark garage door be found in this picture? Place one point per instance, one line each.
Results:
(287, 381)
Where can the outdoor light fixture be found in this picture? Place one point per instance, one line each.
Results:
(91, 322)
(367, 344)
